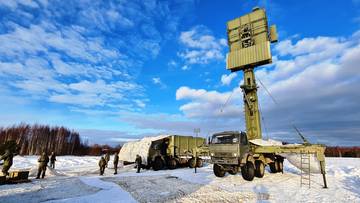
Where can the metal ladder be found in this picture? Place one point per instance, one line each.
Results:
(305, 169)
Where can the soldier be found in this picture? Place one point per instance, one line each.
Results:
(43, 162)
(138, 163)
(116, 161)
(107, 158)
(52, 160)
(8, 161)
(164, 147)
(102, 164)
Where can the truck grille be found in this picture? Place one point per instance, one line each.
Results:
(223, 154)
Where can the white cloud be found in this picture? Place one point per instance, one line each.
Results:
(156, 80)
(185, 67)
(310, 45)
(172, 63)
(140, 103)
(13, 4)
(86, 100)
(226, 79)
(201, 47)
(208, 104)
(76, 62)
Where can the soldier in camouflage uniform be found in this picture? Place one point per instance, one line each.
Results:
(8, 161)
(43, 162)
(138, 162)
(116, 161)
(52, 160)
(107, 159)
(102, 164)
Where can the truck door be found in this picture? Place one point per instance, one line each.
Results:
(244, 144)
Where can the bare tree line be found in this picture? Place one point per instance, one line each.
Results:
(35, 139)
(339, 151)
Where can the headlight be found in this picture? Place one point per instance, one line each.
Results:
(212, 154)
(235, 154)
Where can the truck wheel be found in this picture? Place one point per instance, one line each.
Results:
(199, 163)
(218, 171)
(233, 171)
(259, 169)
(280, 166)
(192, 163)
(274, 167)
(158, 164)
(248, 171)
(172, 164)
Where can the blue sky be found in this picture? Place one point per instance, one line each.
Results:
(121, 70)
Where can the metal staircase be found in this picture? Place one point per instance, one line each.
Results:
(305, 169)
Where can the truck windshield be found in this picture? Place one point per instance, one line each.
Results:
(225, 139)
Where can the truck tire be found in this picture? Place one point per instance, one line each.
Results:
(259, 169)
(280, 165)
(199, 163)
(274, 167)
(192, 163)
(219, 171)
(248, 171)
(172, 164)
(158, 164)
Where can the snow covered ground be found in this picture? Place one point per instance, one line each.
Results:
(76, 180)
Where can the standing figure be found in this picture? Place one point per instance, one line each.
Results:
(116, 161)
(8, 161)
(138, 163)
(107, 158)
(164, 146)
(43, 162)
(102, 164)
(52, 160)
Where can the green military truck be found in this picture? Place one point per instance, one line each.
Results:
(231, 151)
(166, 151)
(249, 39)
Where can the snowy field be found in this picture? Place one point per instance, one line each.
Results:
(76, 180)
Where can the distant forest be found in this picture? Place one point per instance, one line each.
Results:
(342, 151)
(35, 139)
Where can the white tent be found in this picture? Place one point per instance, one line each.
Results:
(129, 151)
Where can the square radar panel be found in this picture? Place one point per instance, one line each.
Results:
(249, 41)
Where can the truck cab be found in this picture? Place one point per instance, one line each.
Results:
(230, 152)
(228, 147)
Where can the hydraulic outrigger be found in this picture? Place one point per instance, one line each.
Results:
(249, 41)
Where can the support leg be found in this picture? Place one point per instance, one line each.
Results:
(322, 166)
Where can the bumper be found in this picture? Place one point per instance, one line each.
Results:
(222, 160)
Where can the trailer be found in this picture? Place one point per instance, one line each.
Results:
(166, 151)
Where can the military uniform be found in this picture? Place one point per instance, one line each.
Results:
(8, 161)
(102, 164)
(43, 161)
(52, 160)
(116, 161)
(138, 162)
(107, 159)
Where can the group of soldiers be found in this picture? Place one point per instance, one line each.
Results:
(103, 163)
(43, 162)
